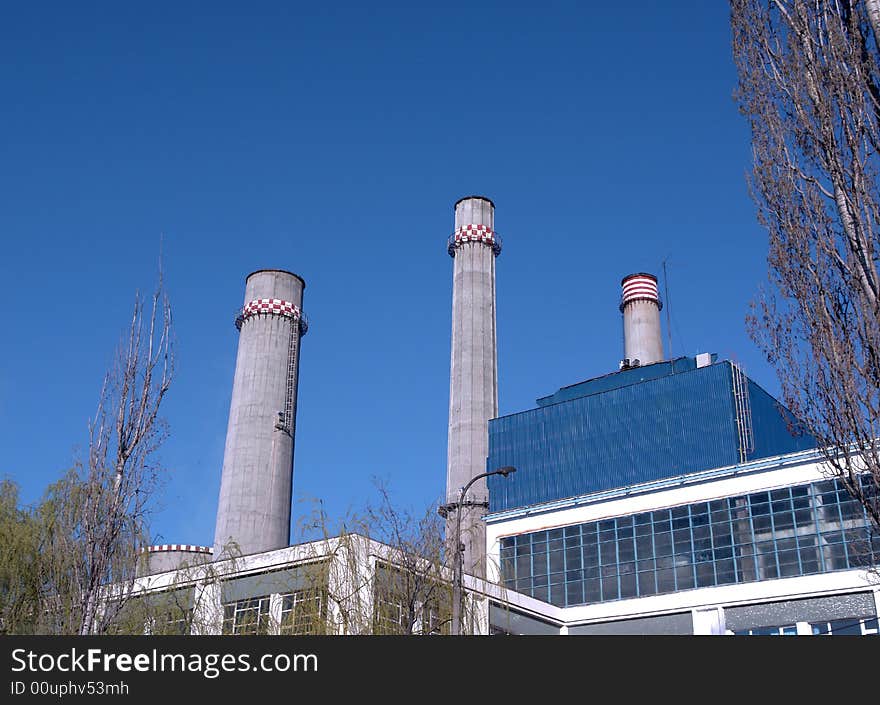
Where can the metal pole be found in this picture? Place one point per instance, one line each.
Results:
(457, 567)
(457, 595)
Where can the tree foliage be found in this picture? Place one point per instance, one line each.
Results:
(809, 83)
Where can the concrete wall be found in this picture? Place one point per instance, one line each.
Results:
(473, 391)
(159, 560)
(643, 340)
(255, 490)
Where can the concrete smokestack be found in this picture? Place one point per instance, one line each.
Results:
(640, 304)
(255, 488)
(473, 387)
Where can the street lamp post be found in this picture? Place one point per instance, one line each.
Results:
(459, 546)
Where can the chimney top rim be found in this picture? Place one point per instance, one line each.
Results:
(467, 198)
(281, 271)
(638, 274)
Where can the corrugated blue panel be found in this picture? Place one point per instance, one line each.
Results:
(616, 380)
(775, 429)
(662, 427)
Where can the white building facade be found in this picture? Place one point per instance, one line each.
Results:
(767, 547)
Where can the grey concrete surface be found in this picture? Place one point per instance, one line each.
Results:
(473, 388)
(253, 512)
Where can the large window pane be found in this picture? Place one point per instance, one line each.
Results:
(592, 591)
(684, 575)
(608, 553)
(574, 593)
(647, 583)
(725, 572)
(626, 549)
(627, 585)
(763, 535)
(662, 544)
(609, 588)
(557, 561)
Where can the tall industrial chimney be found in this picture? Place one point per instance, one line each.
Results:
(253, 514)
(640, 304)
(473, 388)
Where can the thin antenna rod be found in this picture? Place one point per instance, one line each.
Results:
(668, 320)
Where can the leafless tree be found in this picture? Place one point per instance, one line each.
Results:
(387, 570)
(809, 83)
(95, 518)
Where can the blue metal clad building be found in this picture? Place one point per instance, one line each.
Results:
(633, 426)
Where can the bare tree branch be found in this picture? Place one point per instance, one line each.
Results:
(808, 83)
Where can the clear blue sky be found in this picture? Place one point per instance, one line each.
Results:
(332, 139)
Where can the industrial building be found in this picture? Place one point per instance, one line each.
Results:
(669, 496)
(673, 497)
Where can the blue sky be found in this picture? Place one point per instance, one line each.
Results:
(332, 139)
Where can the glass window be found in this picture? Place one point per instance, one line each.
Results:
(647, 583)
(539, 564)
(684, 574)
(803, 518)
(610, 588)
(627, 584)
(763, 535)
(626, 550)
(808, 554)
(665, 580)
(590, 556)
(644, 547)
(250, 616)
(850, 509)
(761, 524)
(574, 592)
(780, 494)
(789, 564)
(624, 525)
(661, 518)
(608, 553)
(834, 553)
(783, 519)
(644, 529)
(725, 572)
(701, 533)
(705, 574)
(573, 532)
(557, 561)
(508, 571)
(302, 612)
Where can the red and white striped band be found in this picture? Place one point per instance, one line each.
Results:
(474, 233)
(187, 548)
(639, 287)
(274, 307)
